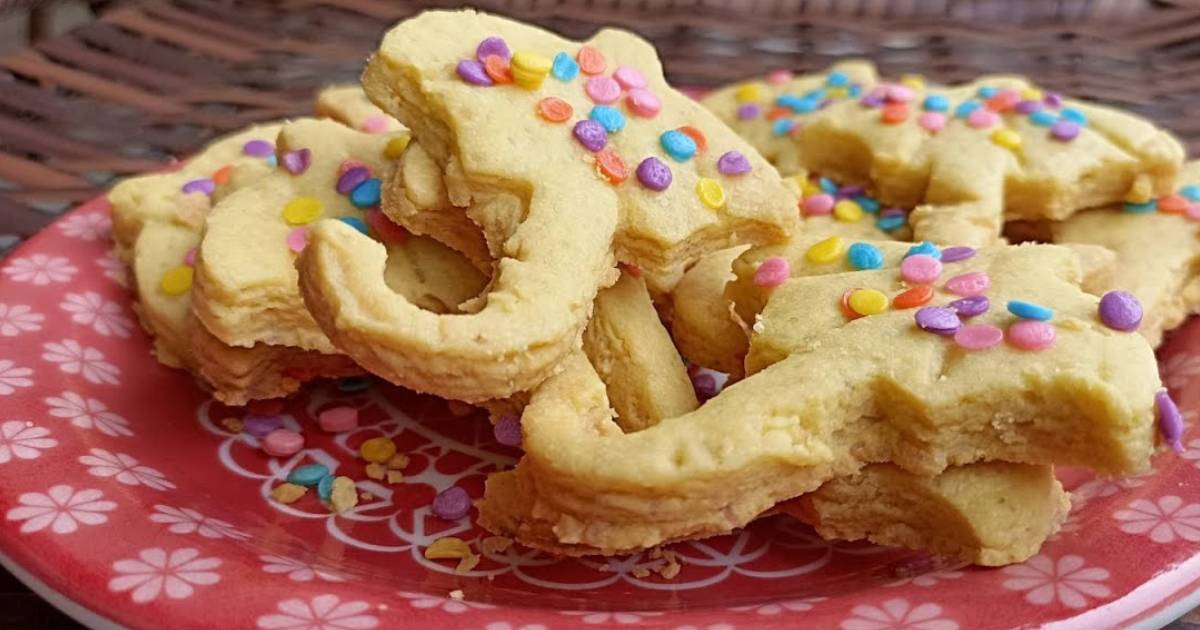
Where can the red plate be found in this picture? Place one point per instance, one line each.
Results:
(124, 502)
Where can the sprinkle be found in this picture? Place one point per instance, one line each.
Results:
(602, 89)
(1053, 99)
(564, 68)
(966, 108)
(836, 78)
(772, 272)
(611, 119)
(297, 239)
(1003, 101)
(938, 320)
(782, 127)
(818, 204)
(352, 178)
(678, 145)
(844, 305)
(1029, 334)
(932, 121)
(177, 280)
(1074, 115)
(978, 336)
(654, 174)
(887, 223)
(1141, 208)
(1193, 212)
(287, 493)
(749, 111)
(296, 162)
(920, 269)
(1027, 107)
(354, 384)
(864, 256)
(826, 251)
(828, 185)
(957, 254)
(798, 104)
(1120, 311)
(1031, 93)
(629, 77)
(982, 118)
(867, 301)
(847, 211)
(366, 194)
(189, 257)
(1173, 204)
(384, 228)
(643, 103)
(851, 191)
(748, 93)
(554, 109)
(591, 61)
(260, 425)
(221, 175)
(202, 185)
(258, 148)
(898, 93)
(871, 100)
(348, 165)
(377, 449)
(697, 136)
(338, 419)
(733, 163)
(935, 103)
(507, 430)
(914, 81)
(710, 192)
(492, 46)
(308, 476)
(1006, 138)
(1043, 118)
(474, 72)
(343, 496)
(894, 113)
(1170, 421)
(926, 248)
(375, 124)
(611, 167)
(913, 297)
(498, 69)
(529, 69)
(325, 488)
(968, 284)
(971, 306)
(591, 135)
(1029, 310)
(452, 504)
(282, 443)
(1064, 130)
(779, 76)
(1191, 192)
(987, 91)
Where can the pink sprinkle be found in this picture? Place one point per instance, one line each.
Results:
(932, 121)
(643, 103)
(297, 239)
(978, 336)
(772, 272)
(968, 284)
(189, 258)
(348, 165)
(602, 89)
(779, 76)
(338, 419)
(818, 204)
(629, 77)
(375, 124)
(1193, 211)
(982, 118)
(920, 269)
(1031, 334)
(898, 93)
(282, 443)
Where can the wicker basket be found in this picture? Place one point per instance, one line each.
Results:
(153, 80)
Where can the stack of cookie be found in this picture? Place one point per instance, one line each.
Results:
(547, 229)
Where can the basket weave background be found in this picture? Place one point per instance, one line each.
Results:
(153, 80)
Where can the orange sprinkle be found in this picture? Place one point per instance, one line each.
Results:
(845, 304)
(497, 67)
(914, 297)
(554, 109)
(611, 167)
(220, 177)
(778, 112)
(895, 113)
(591, 61)
(1173, 204)
(696, 135)
(1002, 102)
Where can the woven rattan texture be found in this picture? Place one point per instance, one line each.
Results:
(154, 80)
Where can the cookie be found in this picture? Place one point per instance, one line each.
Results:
(701, 323)
(561, 187)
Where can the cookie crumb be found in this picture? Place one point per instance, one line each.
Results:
(456, 594)
(656, 553)
(640, 572)
(395, 476)
(233, 425)
(495, 544)
(398, 461)
(467, 563)
(344, 496)
(376, 471)
(366, 496)
(672, 567)
(286, 493)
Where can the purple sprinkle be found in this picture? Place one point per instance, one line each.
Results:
(955, 254)
(352, 178)
(852, 191)
(260, 426)
(892, 212)
(733, 163)
(1028, 107)
(705, 385)
(492, 46)
(452, 504)
(872, 100)
(472, 72)
(591, 135)
(971, 306)
(654, 174)
(749, 111)
(1170, 421)
(1120, 311)
(938, 320)
(1064, 130)
(202, 185)
(508, 431)
(1052, 99)
(297, 162)
(258, 148)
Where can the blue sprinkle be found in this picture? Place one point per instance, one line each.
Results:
(1029, 310)
(925, 247)
(855, 90)
(965, 108)
(890, 222)
(827, 185)
(325, 487)
(564, 67)
(1043, 118)
(790, 101)
(817, 95)
(987, 91)
(309, 476)
(608, 117)
(868, 204)
(800, 104)
(864, 256)
(678, 145)
(837, 79)
(366, 194)
(355, 223)
(1141, 208)
(782, 127)
(936, 103)
(272, 161)
(354, 384)
(1191, 192)
(1074, 115)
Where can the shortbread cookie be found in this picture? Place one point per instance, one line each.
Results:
(702, 323)
(561, 187)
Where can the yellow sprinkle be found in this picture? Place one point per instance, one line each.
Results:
(838, 92)
(529, 69)
(1006, 138)
(826, 251)
(447, 547)
(914, 81)
(809, 188)
(868, 301)
(748, 93)
(177, 281)
(848, 211)
(1031, 94)
(302, 210)
(710, 192)
(396, 146)
(377, 449)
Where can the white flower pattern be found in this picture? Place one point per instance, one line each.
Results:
(445, 604)
(898, 614)
(1164, 520)
(187, 521)
(13, 376)
(88, 226)
(91, 309)
(113, 268)
(298, 571)
(1068, 580)
(603, 616)
(88, 413)
(40, 269)
(18, 318)
(155, 572)
(1179, 370)
(124, 469)
(23, 440)
(74, 358)
(323, 612)
(61, 509)
(779, 607)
